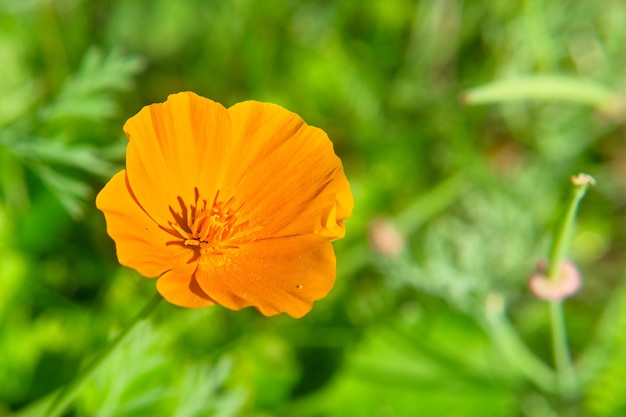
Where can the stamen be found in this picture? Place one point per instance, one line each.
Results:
(180, 230)
(211, 228)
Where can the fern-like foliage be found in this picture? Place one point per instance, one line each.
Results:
(88, 94)
(42, 138)
(138, 380)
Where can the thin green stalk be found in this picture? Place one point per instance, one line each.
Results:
(566, 373)
(567, 378)
(68, 393)
(513, 347)
(564, 232)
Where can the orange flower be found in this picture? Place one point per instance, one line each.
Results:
(232, 206)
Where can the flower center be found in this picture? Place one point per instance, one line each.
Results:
(209, 226)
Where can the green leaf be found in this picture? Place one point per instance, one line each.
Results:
(604, 364)
(71, 192)
(409, 369)
(139, 380)
(88, 94)
(18, 101)
(542, 87)
(56, 152)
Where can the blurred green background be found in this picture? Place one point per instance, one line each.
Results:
(459, 124)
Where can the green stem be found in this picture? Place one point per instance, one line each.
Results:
(513, 348)
(566, 374)
(67, 393)
(564, 232)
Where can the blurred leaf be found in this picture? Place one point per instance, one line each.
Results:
(201, 382)
(603, 366)
(88, 94)
(15, 103)
(605, 394)
(71, 192)
(462, 257)
(56, 152)
(139, 380)
(12, 181)
(412, 367)
(59, 163)
(267, 367)
(542, 87)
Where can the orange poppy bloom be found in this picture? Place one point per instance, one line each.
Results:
(232, 206)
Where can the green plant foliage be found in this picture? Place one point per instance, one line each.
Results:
(607, 360)
(459, 124)
(87, 95)
(139, 380)
(405, 368)
(606, 393)
(56, 154)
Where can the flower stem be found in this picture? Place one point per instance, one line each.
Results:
(566, 374)
(567, 379)
(69, 392)
(563, 236)
(512, 346)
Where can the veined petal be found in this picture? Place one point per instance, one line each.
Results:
(286, 173)
(139, 241)
(274, 275)
(235, 207)
(179, 287)
(176, 148)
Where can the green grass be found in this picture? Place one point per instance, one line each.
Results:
(458, 121)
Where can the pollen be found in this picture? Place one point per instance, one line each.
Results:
(210, 226)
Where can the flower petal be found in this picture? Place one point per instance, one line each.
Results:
(175, 148)
(286, 173)
(140, 243)
(236, 207)
(274, 275)
(179, 287)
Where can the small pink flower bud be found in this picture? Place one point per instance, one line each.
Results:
(565, 285)
(385, 238)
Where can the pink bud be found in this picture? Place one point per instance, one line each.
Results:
(566, 284)
(385, 238)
